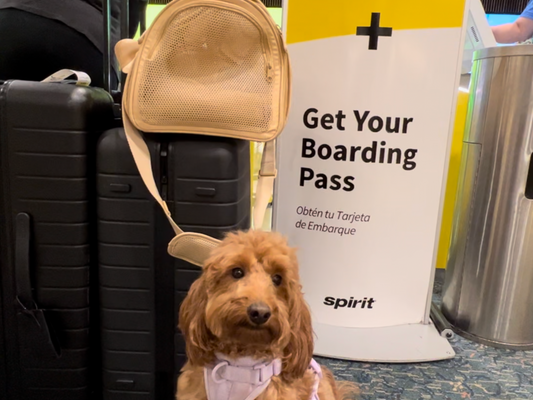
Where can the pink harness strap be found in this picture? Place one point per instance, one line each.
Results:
(318, 376)
(246, 378)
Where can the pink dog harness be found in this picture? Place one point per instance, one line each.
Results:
(246, 378)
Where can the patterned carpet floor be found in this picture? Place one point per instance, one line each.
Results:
(476, 372)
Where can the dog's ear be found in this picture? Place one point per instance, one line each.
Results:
(192, 324)
(299, 351)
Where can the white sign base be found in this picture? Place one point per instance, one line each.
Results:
(393, 344)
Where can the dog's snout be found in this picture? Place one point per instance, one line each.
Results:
(259, 313)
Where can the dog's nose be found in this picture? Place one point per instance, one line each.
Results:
(259, 313)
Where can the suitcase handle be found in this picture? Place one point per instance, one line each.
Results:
(106, 11)
(108, 49)
(32, 321)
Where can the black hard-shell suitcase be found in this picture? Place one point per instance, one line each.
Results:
(3, 373)
(48, 136)
(206, 182)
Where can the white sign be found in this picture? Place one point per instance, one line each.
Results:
(363, 159)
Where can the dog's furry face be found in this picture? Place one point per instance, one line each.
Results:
(248, 302)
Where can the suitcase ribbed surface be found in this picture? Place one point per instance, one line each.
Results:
(207, 182)
(47, 163)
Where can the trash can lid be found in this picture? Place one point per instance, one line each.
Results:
(504, 51)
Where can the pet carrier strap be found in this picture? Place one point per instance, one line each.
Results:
(141, 155)
(194, 247)
(265, 183)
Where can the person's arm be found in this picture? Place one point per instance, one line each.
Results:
(518, 31)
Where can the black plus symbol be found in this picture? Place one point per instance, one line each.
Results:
(374, 31)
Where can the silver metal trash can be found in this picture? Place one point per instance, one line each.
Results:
(488, 291)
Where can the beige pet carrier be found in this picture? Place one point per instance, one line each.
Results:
(207, 67)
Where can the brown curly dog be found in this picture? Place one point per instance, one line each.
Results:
(248, 305)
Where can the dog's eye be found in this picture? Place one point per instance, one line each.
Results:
(277, 279)
(237, 273)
